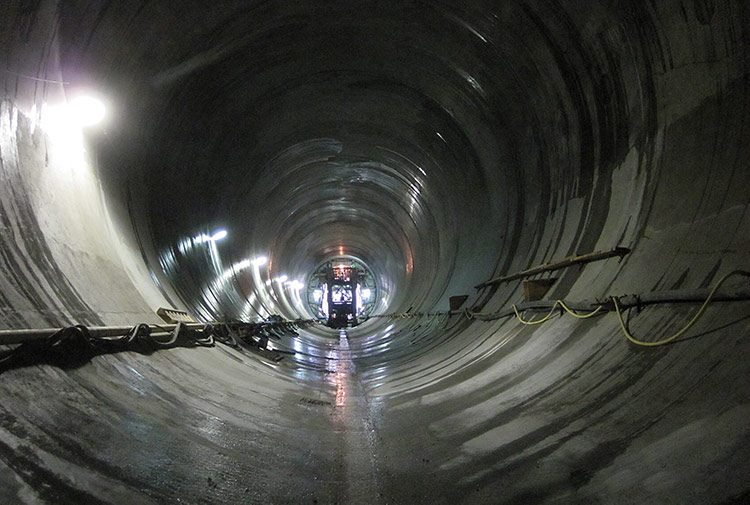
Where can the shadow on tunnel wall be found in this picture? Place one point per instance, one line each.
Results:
(71, 352)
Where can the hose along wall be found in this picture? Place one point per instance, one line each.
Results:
(442, 147)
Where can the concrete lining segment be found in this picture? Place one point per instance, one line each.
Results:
(442, 143)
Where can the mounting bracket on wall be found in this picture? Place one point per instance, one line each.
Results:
(535, 289)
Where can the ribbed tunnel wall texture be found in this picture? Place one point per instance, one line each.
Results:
(442, 143)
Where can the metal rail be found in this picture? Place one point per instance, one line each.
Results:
(678, 296)
(549, 267)
(21, 336)
(626, 302)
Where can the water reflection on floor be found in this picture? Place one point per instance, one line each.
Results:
(352, 419)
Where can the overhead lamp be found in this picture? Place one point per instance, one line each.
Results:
(241, 265)
(200, 239)
(282, 278)
(67, 118)
(260, 261)
(87, 110)
(219, 235)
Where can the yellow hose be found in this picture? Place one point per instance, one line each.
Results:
(539, 321)
(687, 326)
(579, 316)
(472, 315)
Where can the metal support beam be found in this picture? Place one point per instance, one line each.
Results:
(549, 267)
(679, 296)
(30, 335)
(627, 301)
(12, 337)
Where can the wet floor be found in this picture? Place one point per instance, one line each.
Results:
(354, 429)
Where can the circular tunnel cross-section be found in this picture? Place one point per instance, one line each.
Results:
(539, 195)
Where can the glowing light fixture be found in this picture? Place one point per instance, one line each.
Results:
(260, 261)
(87, 110)
(200, 239)
(67, 118)
(282, 278)
(242, 265)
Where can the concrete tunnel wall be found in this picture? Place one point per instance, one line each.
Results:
(440, 144)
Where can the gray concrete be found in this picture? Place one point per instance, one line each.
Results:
(442, 145)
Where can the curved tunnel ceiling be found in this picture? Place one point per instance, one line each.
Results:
(441, 144)
(321, 130)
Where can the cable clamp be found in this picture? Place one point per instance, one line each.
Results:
(608, 303)
(139, 331)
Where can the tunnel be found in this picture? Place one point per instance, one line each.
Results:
(441, 145)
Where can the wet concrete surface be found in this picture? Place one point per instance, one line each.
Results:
(352, 422)
(441, 144)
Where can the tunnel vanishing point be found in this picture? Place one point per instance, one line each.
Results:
(208, 157)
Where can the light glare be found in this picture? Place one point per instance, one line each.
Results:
(219, 235)
(87, 111)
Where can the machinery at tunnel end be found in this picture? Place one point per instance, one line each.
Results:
(342, 293)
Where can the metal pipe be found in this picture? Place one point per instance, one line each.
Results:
(681, 296)
(11, 337)
(737, 294)
(549, 267)
(8, 337)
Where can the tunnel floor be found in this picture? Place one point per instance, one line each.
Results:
(354, 425)
(358, 417)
